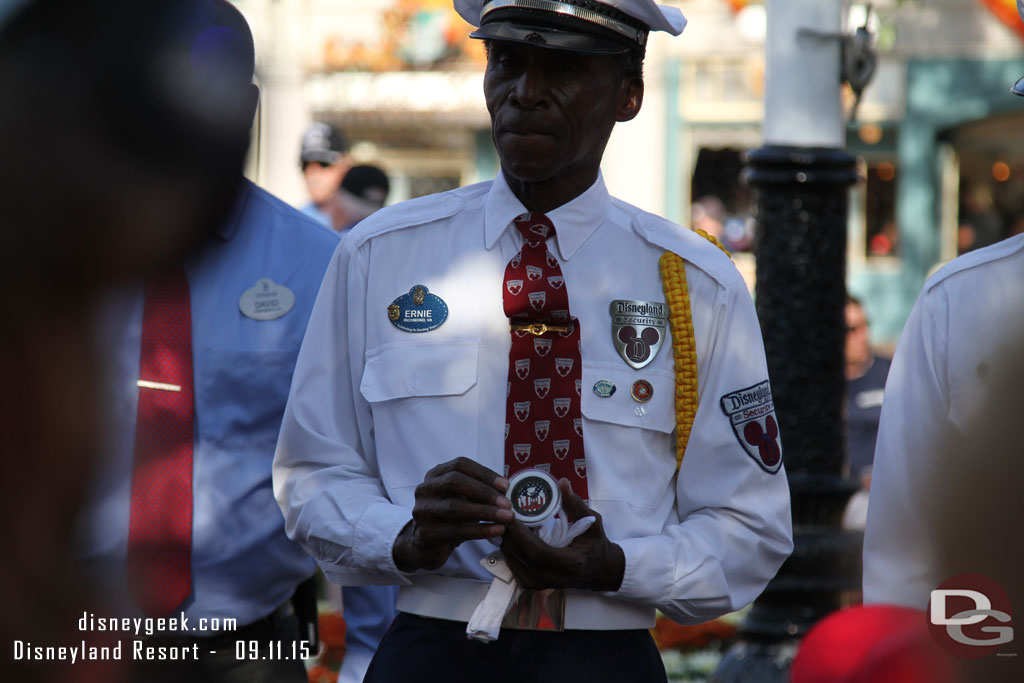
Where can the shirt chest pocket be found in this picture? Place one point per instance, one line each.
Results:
(241, 396)
(425, 411)
(630, 442)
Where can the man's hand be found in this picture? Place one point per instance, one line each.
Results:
(460, 500)
(590, 562)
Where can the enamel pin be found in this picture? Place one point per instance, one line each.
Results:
(641, 391)
(638, 330)
(418, 311)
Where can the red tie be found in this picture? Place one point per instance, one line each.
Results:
(159, 554)
(543, 423)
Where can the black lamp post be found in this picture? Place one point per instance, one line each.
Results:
(802, 176)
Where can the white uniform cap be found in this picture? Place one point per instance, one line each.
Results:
(608, 26)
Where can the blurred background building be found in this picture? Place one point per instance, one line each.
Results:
(937, 131)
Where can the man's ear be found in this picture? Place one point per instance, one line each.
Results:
(632, 98)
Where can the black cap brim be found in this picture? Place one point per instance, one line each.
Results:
(550, 38)
(1018, 87)
(320, 156)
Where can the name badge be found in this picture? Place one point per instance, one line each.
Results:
(418, 311)
(266, 300)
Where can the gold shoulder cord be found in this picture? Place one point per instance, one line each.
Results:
(684, 346)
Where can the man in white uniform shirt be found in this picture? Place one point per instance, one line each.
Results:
(961, 341)
(448, 325)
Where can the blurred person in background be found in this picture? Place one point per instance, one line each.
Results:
(980, 223)
(364, 189)
(182, 519)
(118, 157)
(324, 160)
(866, 373)
(708, 214)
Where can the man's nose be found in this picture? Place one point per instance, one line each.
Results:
(531, 88)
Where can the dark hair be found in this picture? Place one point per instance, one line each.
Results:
(631, 65)
(233, 41)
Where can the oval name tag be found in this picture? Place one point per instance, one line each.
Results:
(266, 300)
(418, 311)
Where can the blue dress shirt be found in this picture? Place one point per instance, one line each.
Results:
(243, 565)
(317, 214)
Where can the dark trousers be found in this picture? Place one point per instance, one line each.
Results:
(421, 650)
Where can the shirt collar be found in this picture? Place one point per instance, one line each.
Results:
(229, 226)
(574, 221)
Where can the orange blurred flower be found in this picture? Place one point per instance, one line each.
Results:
(321, 674)
(332, 630)
(670, 635)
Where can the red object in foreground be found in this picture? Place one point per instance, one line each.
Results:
(872, 644)
(1006, 12)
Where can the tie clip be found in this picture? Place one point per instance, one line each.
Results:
(537, 328)
(145, 384)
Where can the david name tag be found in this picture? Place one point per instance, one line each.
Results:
(266, 300)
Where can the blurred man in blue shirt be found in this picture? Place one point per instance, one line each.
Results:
(245, 295)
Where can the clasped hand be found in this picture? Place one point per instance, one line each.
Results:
(461, 500)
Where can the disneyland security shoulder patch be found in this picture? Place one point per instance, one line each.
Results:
(751, 413)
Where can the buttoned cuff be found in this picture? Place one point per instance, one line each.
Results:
(649, 574)
(376, 532)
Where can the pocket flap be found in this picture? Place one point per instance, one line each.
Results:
(419, 369)
(658, 413)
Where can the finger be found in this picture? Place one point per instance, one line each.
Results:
(457, 484)
(472, 469)
(534, 563)
(448, 510)
(572, 504)
(527, 546)
(524, 575)
(434, 535)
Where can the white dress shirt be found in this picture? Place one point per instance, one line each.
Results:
(372, 407)
(953, 344)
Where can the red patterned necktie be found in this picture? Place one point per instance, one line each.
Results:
(159, 554)
(543, 423)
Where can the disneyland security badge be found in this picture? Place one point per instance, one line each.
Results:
(536, 502)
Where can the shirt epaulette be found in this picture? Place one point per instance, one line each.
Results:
(287, 212)
(693, 248)
(419, 211)
(979, 257)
